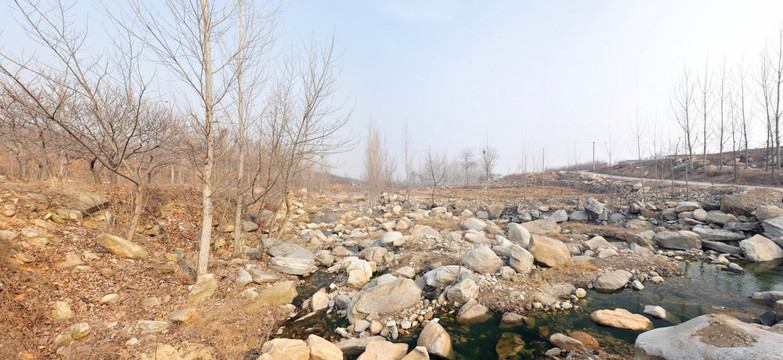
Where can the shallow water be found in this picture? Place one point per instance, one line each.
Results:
(704, 289)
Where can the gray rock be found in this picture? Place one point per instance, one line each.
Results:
(293, 266)
(383, 299)
(710, 234)
(759, 248)
(88, 202)
(747, 341)
(541, 226)
(121, 247)
(559, 216)
(737, 205)
(261, 277)
(518, 234)
(424, 231)
(764, 212)
(597, 242)
(472, 312)
(496, 210)
(482, 260)
(612, 281)
(721, 247)
(767, 297)
(549, 252)
(463, 291)
(655, 311)
(521, 260)
(687, 206)
(773, 229)
(720, 217)
(436, 340)
(474, 224)
(579, 216)
(682, 239)
(594, 206)
(445, 275)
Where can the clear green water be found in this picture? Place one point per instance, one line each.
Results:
(704, 289)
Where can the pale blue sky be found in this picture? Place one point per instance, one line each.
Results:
(554, 74)
(557, 74)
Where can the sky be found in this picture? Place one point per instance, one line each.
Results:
(526, 77)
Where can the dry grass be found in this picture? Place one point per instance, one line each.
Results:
(234, 329)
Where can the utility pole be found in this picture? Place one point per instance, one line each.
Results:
(593, 156)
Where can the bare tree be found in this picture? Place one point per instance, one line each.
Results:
(489, 158)
(434, 170)
(638, 130)
(183, 39)
(408, 160)
(705, 87)
(723, 93)
(99, 102)
(766, 103)
(310, 122)
(373, 165)
(682, 107)
(255, 27)
(745, 109)
(466, 164)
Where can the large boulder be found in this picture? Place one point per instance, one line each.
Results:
(437, 341)
(359, 273)
(621, 319)
(463, 291)
(445, 275)
(711, 336)
(284, 349)
(280, 293)
(424, 231)
(203, 289)
(773, 229)
(597, 242)
(482, 260)
(322, 349)
(88, 202)
(710, 234)
(293, 265)
(496, 210)
(687, 206)
(474, 224)
(384, 350)
(521, 260)
(386, 298)
(542, 226)
(767, 297)
(549, 252)
(682, 239)
(720, 217)
(566, 342)
(764, 212)
(737, 205)
(121, 247)
(759, 248)
(518, 234)
(559, 216)
(471, 312)
(594, 206)
(612, 281)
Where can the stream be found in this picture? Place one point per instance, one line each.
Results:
(703, 289)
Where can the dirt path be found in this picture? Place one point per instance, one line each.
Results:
(690, 183)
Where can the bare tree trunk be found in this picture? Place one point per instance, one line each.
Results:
(138, 193)
(240, 199)
(206, 194)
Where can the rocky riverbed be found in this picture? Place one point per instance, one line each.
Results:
(462, 279)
